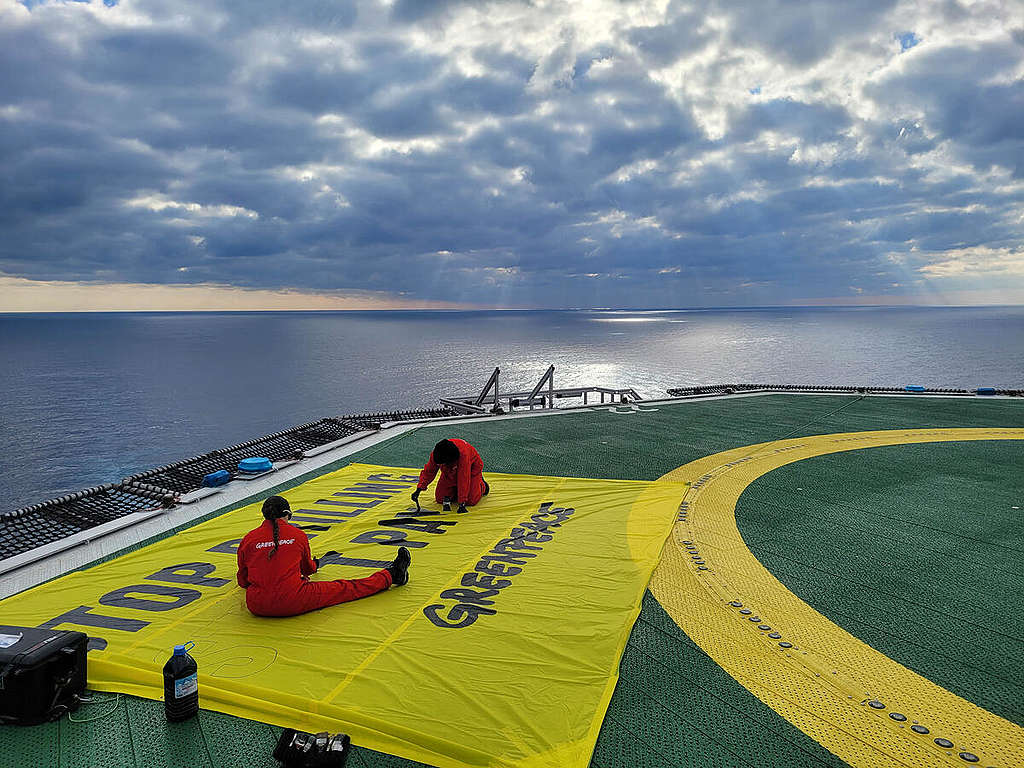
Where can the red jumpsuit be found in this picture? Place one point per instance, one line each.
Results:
(280, 585)
(463, 482)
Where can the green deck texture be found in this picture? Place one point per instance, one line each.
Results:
(899, 515)
(915, 549)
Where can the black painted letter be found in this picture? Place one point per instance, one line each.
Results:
(119, 598)
(195, 573)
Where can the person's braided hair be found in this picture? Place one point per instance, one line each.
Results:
(275, 508)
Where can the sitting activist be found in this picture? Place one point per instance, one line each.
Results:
(462, 479)
(275, 563)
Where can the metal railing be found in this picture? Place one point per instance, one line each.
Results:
(38, 524)
(710, 390)
(543, 395)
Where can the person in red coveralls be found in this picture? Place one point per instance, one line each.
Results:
(275, 563)
(462, 479)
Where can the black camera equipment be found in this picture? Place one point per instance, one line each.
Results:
(297, 749)
(42, 673)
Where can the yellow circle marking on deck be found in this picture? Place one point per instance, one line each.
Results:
(824, 683)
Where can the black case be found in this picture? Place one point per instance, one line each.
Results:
(298, 749)
(42, 675)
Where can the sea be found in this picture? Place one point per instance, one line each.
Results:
(89, 398)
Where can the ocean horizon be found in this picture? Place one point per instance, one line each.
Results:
(301, 310)
(90, 397)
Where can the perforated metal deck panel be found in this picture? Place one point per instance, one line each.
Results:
(118, 731)
(824, 680)
(673, 706)
(919, 557)
(38, 745)
(680, 708)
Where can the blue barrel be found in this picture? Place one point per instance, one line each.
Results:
(914, 388)
(214, 479)
(255, 464)
(986, 390)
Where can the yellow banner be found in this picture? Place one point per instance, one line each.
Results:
(502, 650)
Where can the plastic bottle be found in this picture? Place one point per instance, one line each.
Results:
(181, 685)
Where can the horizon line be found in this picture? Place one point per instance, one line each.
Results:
(498, 309)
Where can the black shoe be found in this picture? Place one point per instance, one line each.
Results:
(487, 488)
(399, 568)
(446, 505)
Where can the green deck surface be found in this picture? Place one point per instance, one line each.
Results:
(914, 549)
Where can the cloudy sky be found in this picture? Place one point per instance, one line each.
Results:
(597, 153)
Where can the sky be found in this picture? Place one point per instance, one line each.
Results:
(243, 154)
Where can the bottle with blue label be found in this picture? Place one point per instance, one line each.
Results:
(181, 685)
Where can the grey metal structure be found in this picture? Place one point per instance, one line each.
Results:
(509, 401)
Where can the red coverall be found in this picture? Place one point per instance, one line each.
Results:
(463, 482)
(279, 585)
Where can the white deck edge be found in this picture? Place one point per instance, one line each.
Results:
(49, 561)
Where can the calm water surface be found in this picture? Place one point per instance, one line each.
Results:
(89, 398)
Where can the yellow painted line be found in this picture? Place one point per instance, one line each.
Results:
(824, 683)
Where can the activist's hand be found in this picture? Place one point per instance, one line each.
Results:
(462, 509)
(317, 560)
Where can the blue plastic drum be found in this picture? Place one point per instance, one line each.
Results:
(255, 464)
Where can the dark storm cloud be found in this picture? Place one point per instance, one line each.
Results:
(400, 99)
(410, 114)
(623, 155)
(155, 59)
(684, 34)
(812, 123)
(499, 95)
(51, 168)
(318, 92)
(799, 33)
(322, 15)
(952, 85)
(411, 11)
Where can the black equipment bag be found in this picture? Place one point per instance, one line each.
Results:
(42, 673)
(298, 749)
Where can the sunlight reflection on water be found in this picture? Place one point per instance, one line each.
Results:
(92, 398)
(627, 320)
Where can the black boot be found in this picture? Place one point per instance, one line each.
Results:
(446, 505)
(399, 568)
(487, 487)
